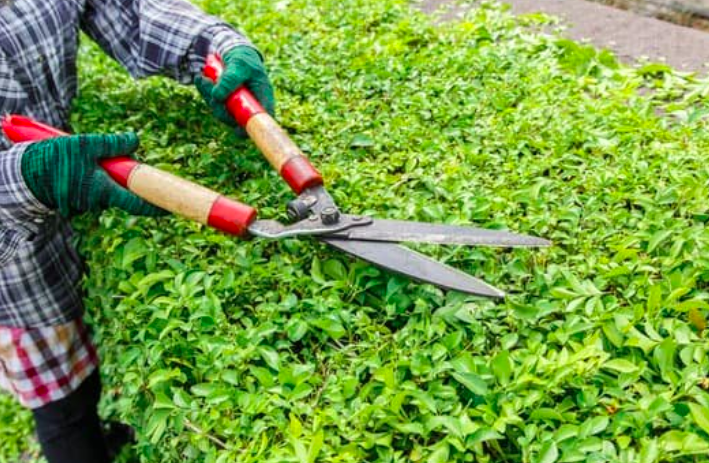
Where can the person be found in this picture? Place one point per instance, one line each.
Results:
(47, 360)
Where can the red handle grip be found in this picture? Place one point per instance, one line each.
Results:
(155, 186)
(273, 142)
(241, 104)
(20, 129)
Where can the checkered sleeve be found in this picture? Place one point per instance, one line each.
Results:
(149, 37)
(218, 38)
(21, 214)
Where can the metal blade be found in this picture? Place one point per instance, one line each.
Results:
(414, 265)
(421, 232)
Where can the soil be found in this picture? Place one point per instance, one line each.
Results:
(631, 36)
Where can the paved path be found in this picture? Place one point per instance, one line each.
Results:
(629, 35)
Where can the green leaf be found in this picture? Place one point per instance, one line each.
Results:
(316, 272)
(700, 414)
(686, 442)
(472, 382)
(315, 446)
(654, 298)
(149, 280)
(162, 401)
(654, 68)
(295, 427)
(549, 453)
(657, 239)
(484, 435)
(134, 250)
(182, 399)
(593, 426)
(202, 389)
(232, 377)
(335, 269)
(157, 425)
(664, 355)
(502, 367)
(361, 141)
(270, 356)
(332, 327)
(621, 366)
(162, 376)
(297, 329)
(546, 413)
(410, 428)
(440, 454)
(264, 376)
(650, 453)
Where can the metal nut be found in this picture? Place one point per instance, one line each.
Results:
(330, 216)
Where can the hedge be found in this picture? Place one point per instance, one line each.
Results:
(219, 350)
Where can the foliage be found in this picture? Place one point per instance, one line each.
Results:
(220, 350)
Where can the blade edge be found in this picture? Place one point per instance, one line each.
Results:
(386, 230)
(414, 265)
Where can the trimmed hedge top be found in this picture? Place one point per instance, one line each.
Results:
(219, 350)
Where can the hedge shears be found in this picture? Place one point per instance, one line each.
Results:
(313, 213)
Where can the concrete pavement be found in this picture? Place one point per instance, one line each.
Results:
(629, 35)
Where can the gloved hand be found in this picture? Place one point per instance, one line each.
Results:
(242, 66)
(63, 173)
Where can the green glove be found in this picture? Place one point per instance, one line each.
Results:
(242, 66)
(63, 173)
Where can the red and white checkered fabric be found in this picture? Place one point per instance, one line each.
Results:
(42, 365)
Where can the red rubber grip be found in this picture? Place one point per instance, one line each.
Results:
(231, 216)
(119, 168)
(22, 129)
(299, 174)
(241, 104)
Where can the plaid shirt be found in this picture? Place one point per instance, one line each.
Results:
(40, 270)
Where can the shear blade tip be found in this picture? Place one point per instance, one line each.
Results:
(540, 242)
(488, 292)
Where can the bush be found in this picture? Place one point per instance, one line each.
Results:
(221, 350)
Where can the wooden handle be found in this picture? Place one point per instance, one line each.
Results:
(158, 187)
(274, 143)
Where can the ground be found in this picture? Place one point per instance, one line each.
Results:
(629, 35)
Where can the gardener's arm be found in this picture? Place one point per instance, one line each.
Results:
(173, 37)
(61, 175)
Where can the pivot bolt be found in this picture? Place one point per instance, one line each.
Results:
(297, 210)
(330, 216)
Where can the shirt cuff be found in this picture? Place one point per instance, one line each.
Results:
(18, 206)
(218, 38)
(22, 216)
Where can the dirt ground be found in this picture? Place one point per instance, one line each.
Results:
(629, 35)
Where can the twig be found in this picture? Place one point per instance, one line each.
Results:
(194, 428)
(325, 374)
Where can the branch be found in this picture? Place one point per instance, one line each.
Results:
(196, 429)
